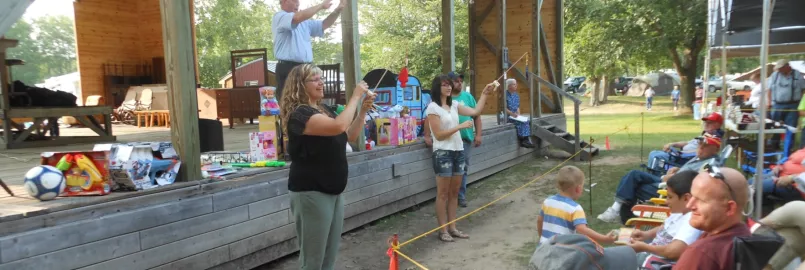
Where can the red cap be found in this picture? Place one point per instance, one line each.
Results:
(710, 139)
(715, 117)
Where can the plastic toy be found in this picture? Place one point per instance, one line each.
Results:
(88, 167)
(44, 182)
(65, 162)
(260, 164)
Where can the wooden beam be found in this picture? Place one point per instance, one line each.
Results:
(560, 40)
(486, 12)
(448, 37)
(546, 53)
(180, 76)
(521, 76)
(193, 33)
(536, 18)
(489, 46)
(471, 34)
(502, 61)
(352, 56)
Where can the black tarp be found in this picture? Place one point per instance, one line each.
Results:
(744, 24)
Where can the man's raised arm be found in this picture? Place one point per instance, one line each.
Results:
(330, 20)
(304, 15)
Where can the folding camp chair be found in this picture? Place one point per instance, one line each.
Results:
(145, 101)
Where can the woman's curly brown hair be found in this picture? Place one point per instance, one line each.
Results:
(294, 95)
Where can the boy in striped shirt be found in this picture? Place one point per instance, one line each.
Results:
(561, 214)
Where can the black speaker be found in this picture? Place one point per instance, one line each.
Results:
(210, 135)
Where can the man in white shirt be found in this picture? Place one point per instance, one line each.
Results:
(649, 97)
(292, 29)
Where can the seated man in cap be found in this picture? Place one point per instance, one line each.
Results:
(638, 185)
(712, 125)
(719, 198)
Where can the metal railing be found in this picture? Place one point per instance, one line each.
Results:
(562, 94)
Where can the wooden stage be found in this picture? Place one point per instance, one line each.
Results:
(239, 223)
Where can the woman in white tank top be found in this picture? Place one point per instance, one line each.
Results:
(448, 150)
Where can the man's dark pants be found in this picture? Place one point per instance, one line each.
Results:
(283, 69)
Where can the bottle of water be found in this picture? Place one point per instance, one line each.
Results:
(501, 117)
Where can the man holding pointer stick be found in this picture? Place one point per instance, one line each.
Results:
(292, 30)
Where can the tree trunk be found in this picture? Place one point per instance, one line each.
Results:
(595, 96)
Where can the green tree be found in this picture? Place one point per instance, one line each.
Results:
(396, 29)
(46, 44)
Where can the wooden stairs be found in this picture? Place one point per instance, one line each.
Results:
(562, 139)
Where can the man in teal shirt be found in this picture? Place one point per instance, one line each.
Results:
(470, 136)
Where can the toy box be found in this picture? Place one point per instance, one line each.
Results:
(262, 145)
(221, 158)
(268, 101)
(141, 166)
(85, 172)
(396, 131)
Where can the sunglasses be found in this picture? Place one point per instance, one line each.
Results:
(715, 172)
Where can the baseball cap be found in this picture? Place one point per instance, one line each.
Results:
(780, 63)
(576, 251)
(715, 117)
(453, 75)
(708, 138)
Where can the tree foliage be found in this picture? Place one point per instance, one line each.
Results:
(46, 44)
(623, 36)
(396, 29)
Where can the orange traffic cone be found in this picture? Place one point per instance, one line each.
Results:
(393, 242)
(607, 144)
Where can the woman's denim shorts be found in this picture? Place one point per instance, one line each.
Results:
(447, 163)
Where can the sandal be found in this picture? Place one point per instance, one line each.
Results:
(445, 237)
(459, 234)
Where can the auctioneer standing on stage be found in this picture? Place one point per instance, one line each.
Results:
(292, 29)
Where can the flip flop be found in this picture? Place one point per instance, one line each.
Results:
(445, 237)
(459, 234)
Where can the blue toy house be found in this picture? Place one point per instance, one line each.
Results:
(390, 93)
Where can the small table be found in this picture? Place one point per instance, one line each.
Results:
(161, 116)
(731, 126)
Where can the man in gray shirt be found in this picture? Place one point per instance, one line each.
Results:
(292, 29)
(786, 85)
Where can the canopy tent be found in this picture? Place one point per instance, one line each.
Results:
(748, 28)
(742, 27)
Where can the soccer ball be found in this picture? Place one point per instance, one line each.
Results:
(44, 182)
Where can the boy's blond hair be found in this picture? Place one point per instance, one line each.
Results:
(569, 177)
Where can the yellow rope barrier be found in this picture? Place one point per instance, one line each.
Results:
(396, 250)
(490, 203)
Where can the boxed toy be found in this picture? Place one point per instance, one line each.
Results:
(220, 157)
(396, 131)
(85, 172)
(263, 145)
(268, 101)
(140, 166)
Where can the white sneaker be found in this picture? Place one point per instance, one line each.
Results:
(610, 216)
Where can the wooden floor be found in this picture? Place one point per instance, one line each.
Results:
(14, 163)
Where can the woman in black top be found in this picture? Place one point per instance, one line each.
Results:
(317, 145)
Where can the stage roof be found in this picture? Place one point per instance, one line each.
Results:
(743, 26)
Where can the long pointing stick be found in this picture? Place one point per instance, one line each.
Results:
(512, 66)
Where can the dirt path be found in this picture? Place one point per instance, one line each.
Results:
(503, 236)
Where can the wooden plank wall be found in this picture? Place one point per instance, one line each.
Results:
(518, 37)
(120, 31)
(235, 224)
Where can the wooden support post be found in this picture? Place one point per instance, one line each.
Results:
(195, 49)
(179, 71)
(560, 56)
(536, 18)
(503, 62)
(5, 106)
(472, 25)
(448, 37)
(352, 56)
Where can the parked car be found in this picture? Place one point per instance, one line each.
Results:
(622, 84)
(573, 84)
(715, 83)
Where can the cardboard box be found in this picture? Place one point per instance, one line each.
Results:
(263, 145)
(141, 166)
(396, 131)
(87, 174)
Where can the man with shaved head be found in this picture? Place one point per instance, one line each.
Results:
(717, 204)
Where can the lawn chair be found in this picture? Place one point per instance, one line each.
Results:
(124, 113)
(145, 101)
(676, 158)
(770, 159)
